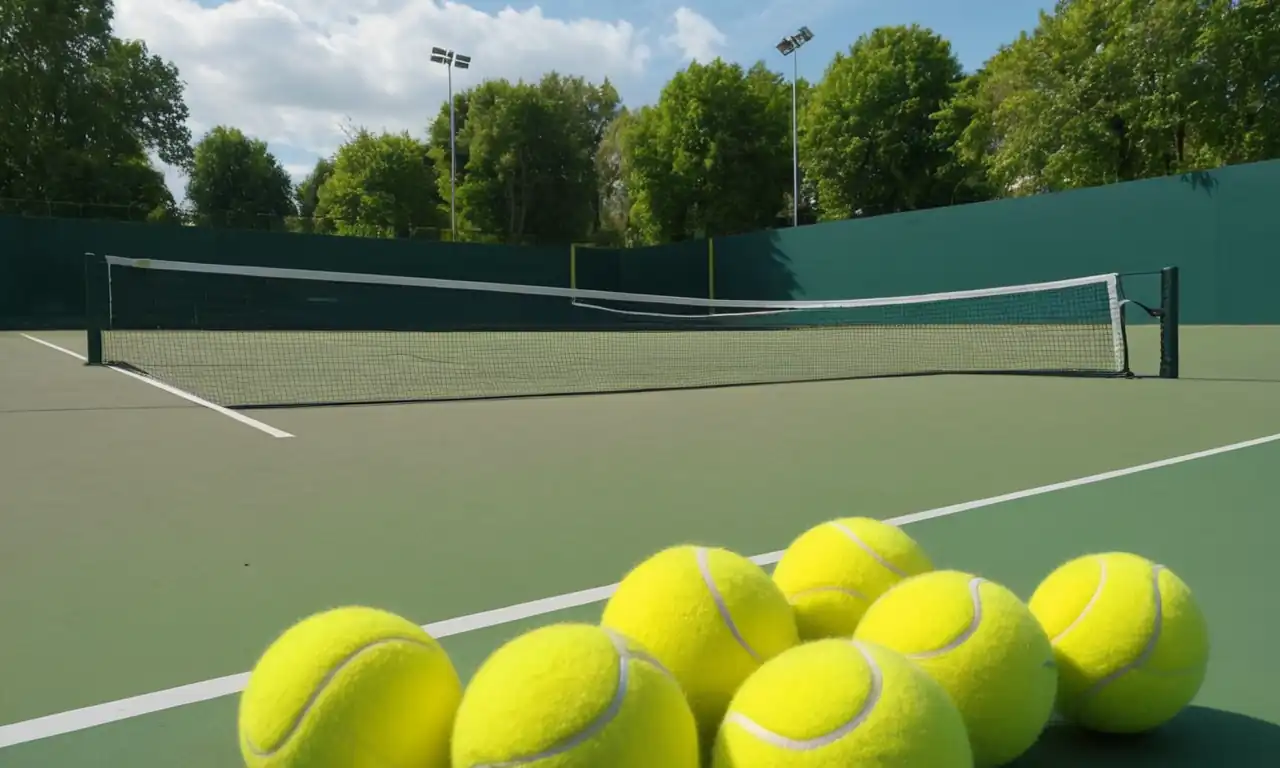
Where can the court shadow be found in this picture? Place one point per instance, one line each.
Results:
(1198, 737)
(754, 266)
(180, 406)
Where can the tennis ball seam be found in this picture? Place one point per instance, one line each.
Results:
(1153, 639)
(826, 739)
(1088, 606)
(975, 594)
(601, 721)
(868, 549)
(320, 689)
(703, 557)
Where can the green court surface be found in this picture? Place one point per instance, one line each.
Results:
(148, 543)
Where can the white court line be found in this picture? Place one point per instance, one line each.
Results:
(200, 401)
(101, 714)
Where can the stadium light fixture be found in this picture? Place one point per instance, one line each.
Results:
(452, 60)
(789, 46)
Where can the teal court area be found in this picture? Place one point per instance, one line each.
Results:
(152, 547)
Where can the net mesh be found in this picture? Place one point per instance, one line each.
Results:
(255, 336)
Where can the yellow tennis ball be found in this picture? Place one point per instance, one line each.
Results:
(573, 696)
(1131, 643)
(350, 687)
(709, 615)
(982, 644)
(842, 703)
(834, 571)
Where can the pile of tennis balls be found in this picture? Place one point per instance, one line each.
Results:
(856, 651)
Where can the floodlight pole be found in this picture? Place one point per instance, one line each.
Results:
(451, 60)
(789, 46)
(453, 165)
(795, 142)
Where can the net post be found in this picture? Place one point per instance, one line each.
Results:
(573, 266)
(1169, 321)
(97, 304)
(711, 272)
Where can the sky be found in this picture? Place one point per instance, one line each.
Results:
(298, 73)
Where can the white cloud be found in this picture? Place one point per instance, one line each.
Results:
(695, 35)
(293, 72)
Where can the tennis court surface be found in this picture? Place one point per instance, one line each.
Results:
(152, 546)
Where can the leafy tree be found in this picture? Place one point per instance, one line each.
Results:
(712, 156)
(529, 152)
(307, 196)
(1112, 90)
(83, 110)
(382, 185)
(235, 181)
(614, 200)
(1237, 66)
(871, 141)
(959, 128)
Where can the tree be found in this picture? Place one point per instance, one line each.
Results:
(871, 141)
(614, 200)
(84, 110)
(530, 152)
(307, 195)
(962, 132)
(712, 156)
(1113, 90)
(236, 181)
(382, 185)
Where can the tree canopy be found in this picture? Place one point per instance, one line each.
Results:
(1113, 90)
(872, 142)
(84, 111)
(235, 181)
(1098, 92)
(712, 156)
(529, 151)
(382, 185)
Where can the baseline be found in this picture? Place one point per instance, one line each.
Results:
(136, 706)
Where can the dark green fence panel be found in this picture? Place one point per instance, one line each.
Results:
(454, 261)
(1248, 248)
(678, 269)
(754, 267)
(1122, 228)
(597, 269)
(1220, 227)
(41, 276)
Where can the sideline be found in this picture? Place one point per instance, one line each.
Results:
(200, 401)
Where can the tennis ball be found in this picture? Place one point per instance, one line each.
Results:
(350, 687)
(1131, 643)
(834, 571)
(841, 703)
(572, 696)
(982, 644)
(710, 616)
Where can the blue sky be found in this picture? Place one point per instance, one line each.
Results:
(302, 73)
(976, 28)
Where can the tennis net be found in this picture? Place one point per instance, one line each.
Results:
(243, 336)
